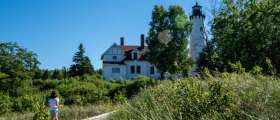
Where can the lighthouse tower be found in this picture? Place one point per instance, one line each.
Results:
(197, 37)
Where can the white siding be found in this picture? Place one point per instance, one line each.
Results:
(113, 51)
(197, 38)
(109, 75)
(145, 69)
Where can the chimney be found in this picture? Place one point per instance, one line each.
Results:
(142, 41)
(122, 41)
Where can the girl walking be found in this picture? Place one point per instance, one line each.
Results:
(54, 103)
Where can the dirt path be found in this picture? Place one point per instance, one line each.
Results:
(101, 116)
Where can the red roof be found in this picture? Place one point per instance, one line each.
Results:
(128, 48)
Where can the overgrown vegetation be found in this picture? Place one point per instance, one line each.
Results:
(225, 96)
(31, 96)
(244, 31)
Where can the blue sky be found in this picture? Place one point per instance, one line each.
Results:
(53, 29)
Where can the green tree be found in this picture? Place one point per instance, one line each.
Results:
(167, 39)
(46, 75)
(82, 64)
(64, 72)
(210, 58)
(17, 61)
(57, 75)
(248, 31)
(38, 74)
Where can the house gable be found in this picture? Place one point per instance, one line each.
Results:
(113, 54)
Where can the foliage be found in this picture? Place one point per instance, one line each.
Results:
(82, 64)
(46, 75)
(168, 37)
(256, 70)
(269, 68)
(130, 88)
(226, 96)
(15, 86)
(210, 58)
(236, 67)
(57, 74)
(17, 61)
(3, 75)
(5, 103)
(41, 112)
(247, 31)
(31, 95)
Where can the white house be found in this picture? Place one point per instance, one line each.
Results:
(127, 62)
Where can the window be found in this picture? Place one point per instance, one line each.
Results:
(152, 70)
(138, 69)
(116, 70)
(132, 69)
(135, 56)
(114, 57)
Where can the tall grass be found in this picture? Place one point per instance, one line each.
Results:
(226, 96)
(68, 112)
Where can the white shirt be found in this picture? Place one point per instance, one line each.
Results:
(53, 102)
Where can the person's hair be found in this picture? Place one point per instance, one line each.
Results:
(53, 94)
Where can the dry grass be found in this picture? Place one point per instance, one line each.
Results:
(68, 112)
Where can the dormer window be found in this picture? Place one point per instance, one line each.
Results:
(135, 56)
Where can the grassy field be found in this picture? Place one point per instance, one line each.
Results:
(225, 96)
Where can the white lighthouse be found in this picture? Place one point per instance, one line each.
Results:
(197, 37)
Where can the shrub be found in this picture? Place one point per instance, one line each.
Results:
(41, 112)
(256, 70)
(27, 102)
(230, 96)
(131, 88)
(5, 103)
(236, 67)
(269, 68)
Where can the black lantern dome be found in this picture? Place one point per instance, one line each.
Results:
(197, 11)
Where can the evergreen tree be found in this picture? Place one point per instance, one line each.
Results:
(46, 75)
(82, 64)
(210, 58)
(86, 66)
(38, 74)
(167, 40)
(57, 75)
(64, 72)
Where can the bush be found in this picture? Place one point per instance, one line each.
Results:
(256, 70)
(130, 88)
(41, 112)
(230, 96)
(236, 67)
(5, 103)
(24, 103)
(269, 68)
(88, 89)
